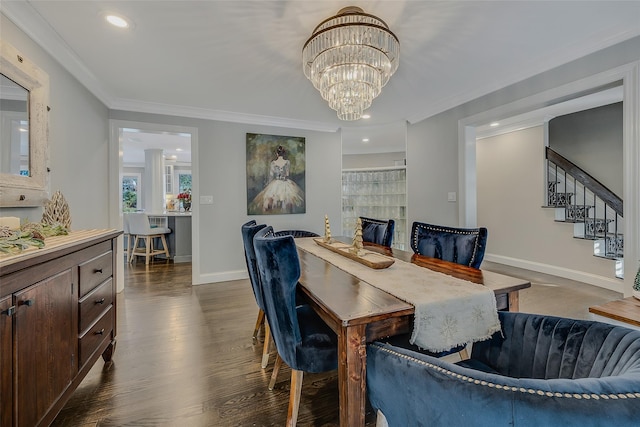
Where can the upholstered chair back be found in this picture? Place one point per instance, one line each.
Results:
(537, 371)
(296, 233)
(139, 224)
(303, 341)
(377, 231)
(464, 246)
(249, 230)
(544, 347)
(125, 224)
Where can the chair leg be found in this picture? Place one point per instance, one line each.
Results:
(274, 374)
(294, 397)
(464, 354)
(259, 323)
(266, 346)
(164, 246)
(133, 248)
(148, 243)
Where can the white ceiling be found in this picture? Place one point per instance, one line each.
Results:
(241, 60)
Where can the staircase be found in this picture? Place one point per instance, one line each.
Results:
(594, 211)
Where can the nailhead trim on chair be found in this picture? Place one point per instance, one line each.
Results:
(447, 230)
(585, 396)
(376, 221)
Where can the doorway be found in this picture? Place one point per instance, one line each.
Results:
(179, 146)
(629, 77)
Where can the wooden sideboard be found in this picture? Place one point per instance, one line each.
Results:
(57, 317)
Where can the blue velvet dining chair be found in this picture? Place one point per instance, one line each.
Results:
(249, 230)
(377, 231)
(464, 246)
(303, 340)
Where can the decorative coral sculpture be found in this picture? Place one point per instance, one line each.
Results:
(56, 211)
(357, 239)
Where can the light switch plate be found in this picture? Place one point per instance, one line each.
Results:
(451, 196)
(206, 200)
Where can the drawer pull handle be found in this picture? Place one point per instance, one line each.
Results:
(100, 301)
(100, 332)
(98, 270)
(28, 302)
(9, 311)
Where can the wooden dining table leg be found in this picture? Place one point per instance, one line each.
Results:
(514, 301)
(352, 375)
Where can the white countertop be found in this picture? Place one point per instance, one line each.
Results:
(171, 213)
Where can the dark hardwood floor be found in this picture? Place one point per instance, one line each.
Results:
(185, 355)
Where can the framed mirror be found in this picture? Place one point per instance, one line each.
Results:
(24, 148)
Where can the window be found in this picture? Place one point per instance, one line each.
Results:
(168, 179)
(131, 190)
(184, 180)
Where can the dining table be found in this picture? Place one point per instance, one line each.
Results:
(359, 312)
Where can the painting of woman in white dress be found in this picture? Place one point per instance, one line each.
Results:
(275, 175)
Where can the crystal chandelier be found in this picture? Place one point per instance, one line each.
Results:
(349, 58)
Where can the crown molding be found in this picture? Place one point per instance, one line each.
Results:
(223, 116)
(31, 22)
(557, 59)
(28, 20)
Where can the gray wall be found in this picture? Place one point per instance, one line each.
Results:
(373, 160)
(78, 140)
(592, 139)
(432, 171)
(511, 182)
(221, 173)
(432, 144)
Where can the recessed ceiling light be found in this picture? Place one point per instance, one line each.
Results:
(366, 116)
(178, 149)
(494, 124)
(365, 139)
(117, 21)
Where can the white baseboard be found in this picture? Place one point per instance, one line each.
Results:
(221, 277)
(603, 282)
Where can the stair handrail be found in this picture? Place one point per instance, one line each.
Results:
(595, 186)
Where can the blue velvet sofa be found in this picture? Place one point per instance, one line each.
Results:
(538, 371)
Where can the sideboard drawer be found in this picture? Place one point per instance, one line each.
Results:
(95, 271)
(94, 303)
(95, 335)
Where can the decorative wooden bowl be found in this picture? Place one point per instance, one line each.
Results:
(369, 258)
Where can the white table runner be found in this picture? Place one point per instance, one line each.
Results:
(448, 311)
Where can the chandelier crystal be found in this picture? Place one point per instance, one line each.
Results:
(349, 58)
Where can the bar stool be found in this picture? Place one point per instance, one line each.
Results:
(140, 229)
